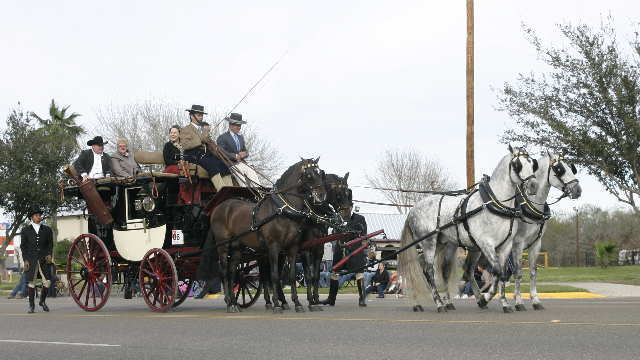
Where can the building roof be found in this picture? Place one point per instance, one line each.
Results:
(391, 223)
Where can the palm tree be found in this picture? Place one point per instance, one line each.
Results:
(60, 125)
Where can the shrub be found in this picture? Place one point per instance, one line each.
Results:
(605, 252)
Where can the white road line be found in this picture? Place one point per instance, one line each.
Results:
(55, 343)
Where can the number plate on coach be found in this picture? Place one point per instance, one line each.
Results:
(177, 238)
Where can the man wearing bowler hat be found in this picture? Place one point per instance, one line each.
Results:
(232, 144)
(193, 140)
(37, 246)
(93, 163)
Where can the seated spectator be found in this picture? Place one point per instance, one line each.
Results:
(380, 281)
(93, 163)
(172, 151)
(483, 278)
(122, 162)
(371, 269)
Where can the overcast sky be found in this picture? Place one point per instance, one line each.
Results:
(359, 76)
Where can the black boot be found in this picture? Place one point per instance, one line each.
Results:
(43, 298)
(333, 292)
(204, 292)
(32, 303)
(361, 293)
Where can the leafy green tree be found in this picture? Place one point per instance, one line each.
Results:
(586, 106)
(30, 162)
(605, 252)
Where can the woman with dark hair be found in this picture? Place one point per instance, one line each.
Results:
(172, 151)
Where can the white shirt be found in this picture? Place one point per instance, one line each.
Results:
(96, 169)
(36, 227)
(328, 252)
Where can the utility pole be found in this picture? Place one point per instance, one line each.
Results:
(470, 83)
(577, 238)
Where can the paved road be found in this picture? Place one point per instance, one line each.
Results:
(386, 329)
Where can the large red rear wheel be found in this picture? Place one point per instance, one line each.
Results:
(158, 280)
(89, 272)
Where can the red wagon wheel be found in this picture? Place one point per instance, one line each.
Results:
(158, 280)
(89, 272)
(247, 286)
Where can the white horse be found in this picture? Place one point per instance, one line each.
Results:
(553, 171)
(483, 219)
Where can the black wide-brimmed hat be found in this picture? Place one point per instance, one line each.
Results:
(235, 119)
(35, 210)
(197, 109)
(97, 141)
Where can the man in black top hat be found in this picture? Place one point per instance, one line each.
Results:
(37, 247)
(193, 140)
(93, 163)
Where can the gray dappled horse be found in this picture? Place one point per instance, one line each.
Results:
(486, 230)
(274, 224)
(552, 171)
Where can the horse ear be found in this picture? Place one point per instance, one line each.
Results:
(316, 160)
(535, 165)
(301, 158)
(510, 149)
(346, 176)
(573, 169)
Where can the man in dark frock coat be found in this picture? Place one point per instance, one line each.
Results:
(357, 224)
(36, 244)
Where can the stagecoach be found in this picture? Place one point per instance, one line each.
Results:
(148, 230)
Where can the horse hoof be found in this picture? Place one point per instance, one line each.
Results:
(269, 306)
(277, 310)
(311, 308)
(482, 303)
(285, 306)
(299, 308)
(507, 309)
(442, 309)
(232, 309)
(451, 306)
(520, 307)
(538, 307)
(318, 308)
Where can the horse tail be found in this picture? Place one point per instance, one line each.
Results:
(453, 271)
(410, 268)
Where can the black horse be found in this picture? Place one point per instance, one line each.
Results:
(339, 197)
(271, 226)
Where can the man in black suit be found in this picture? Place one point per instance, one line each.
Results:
(231, 142)
(93, 163)
(36, 244)
(232, 145)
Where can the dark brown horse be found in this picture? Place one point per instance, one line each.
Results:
(339, 197)
(271, 226)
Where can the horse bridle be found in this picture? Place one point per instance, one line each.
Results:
(312, 166)
(559, 170)
(518, 168)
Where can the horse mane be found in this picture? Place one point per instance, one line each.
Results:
(282, 181)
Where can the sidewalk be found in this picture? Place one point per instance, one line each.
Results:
(604, 289)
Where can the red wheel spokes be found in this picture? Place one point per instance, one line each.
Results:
(158, 279)
(93, 279)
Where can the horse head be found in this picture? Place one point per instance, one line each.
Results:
(338, 192)
(562, 176)
(312, 180)
(522, 170)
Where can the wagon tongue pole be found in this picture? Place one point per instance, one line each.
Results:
(361, 238)
(325, 239)
(346, 258)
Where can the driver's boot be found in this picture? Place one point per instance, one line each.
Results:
(362, 296)
(333, 292)
(43, 298)
(32, 303)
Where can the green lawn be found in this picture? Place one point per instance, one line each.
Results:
(524, 288)
(7, 285)
(614, 274)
